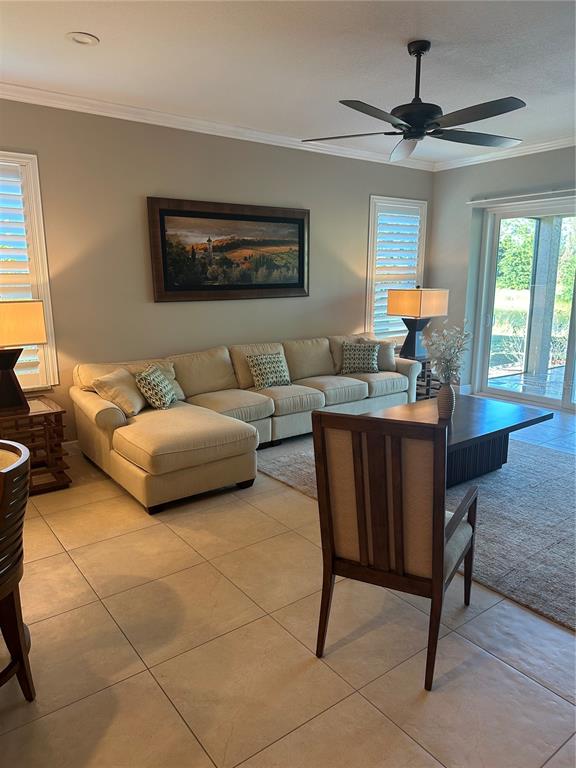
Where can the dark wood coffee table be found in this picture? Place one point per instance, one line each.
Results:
(478, 433)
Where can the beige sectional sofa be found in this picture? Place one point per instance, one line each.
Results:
(208, 438)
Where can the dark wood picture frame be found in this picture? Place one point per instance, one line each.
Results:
(159, 209)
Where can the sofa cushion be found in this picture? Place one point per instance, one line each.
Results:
(383, 383)
(182, 436)
(237, 403)
(337, 389)
(119, 387)
(294, 399)
(239, 352)
(308, 357)
(210, 370)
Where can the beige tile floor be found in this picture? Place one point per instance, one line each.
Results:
(185, 640)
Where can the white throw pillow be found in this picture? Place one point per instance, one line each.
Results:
(119, 387)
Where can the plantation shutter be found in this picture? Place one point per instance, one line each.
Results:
(21, 275)
(396, 254)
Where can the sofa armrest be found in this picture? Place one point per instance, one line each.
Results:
(102, 412)
(411, 369)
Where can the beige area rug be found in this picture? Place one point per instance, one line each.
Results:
(525, 545)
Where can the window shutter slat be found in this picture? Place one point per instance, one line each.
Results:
(397, 246)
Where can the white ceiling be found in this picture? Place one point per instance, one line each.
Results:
(279, 68)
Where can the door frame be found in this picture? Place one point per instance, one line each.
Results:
(559, 206)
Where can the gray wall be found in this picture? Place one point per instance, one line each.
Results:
(95, 175)
(455, 234)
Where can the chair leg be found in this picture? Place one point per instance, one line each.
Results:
(468, 564)
(433, 631)
(16, 638)
(327, 589)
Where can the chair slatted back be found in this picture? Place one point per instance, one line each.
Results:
(381, 494)
(14, 487)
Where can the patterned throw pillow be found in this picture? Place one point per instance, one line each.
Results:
(156, 387)
(270, 370)
(359, 358)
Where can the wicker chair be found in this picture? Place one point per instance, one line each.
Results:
(14, 484)
(381, 494)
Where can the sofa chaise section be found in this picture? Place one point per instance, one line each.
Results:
(159, 456)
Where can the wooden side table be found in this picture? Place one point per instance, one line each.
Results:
(42, 432)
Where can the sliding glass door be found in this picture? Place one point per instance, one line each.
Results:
(529, 334)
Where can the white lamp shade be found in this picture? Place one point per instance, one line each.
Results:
(418, 302)
(21, 323)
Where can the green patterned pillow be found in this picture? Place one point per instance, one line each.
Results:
(156, 387)
(270, 370)
(359, 358)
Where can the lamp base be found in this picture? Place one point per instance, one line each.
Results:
(413, 343)
(12, 399)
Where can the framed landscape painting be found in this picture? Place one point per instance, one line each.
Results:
(207, 251)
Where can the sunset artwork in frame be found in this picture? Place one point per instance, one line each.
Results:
(210, 251)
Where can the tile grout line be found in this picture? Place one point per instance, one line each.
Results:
(120, 494)
(181, 716)
(361, 690)
(454, 629)
(388, 717)
(156, 664)
(71, 703)
(236, 549)
(322, 660)
(521, 672)
(107, 538)
(397, 725)
(296, 728)
(547, 761)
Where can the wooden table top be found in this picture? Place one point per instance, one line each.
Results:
(474, 418)
(39, 406)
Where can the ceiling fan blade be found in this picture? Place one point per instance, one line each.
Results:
(355, 135)
(478, 139)
(480, 112)
(379, 114)
(403, 149)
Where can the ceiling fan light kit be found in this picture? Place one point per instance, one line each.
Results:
(419, 119)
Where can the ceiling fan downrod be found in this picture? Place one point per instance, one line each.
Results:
(418, 48)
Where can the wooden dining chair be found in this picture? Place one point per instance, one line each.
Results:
(381, 495)
(14, 485)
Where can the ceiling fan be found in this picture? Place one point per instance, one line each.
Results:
(417, 120)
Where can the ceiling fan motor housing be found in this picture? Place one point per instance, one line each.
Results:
(419, 115)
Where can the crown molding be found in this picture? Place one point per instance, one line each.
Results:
(57, 100)
(168, 120)
(526, 149)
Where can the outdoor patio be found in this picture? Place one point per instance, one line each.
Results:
(549, 384)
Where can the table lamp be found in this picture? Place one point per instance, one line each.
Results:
(416, 307)
(21, 324)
